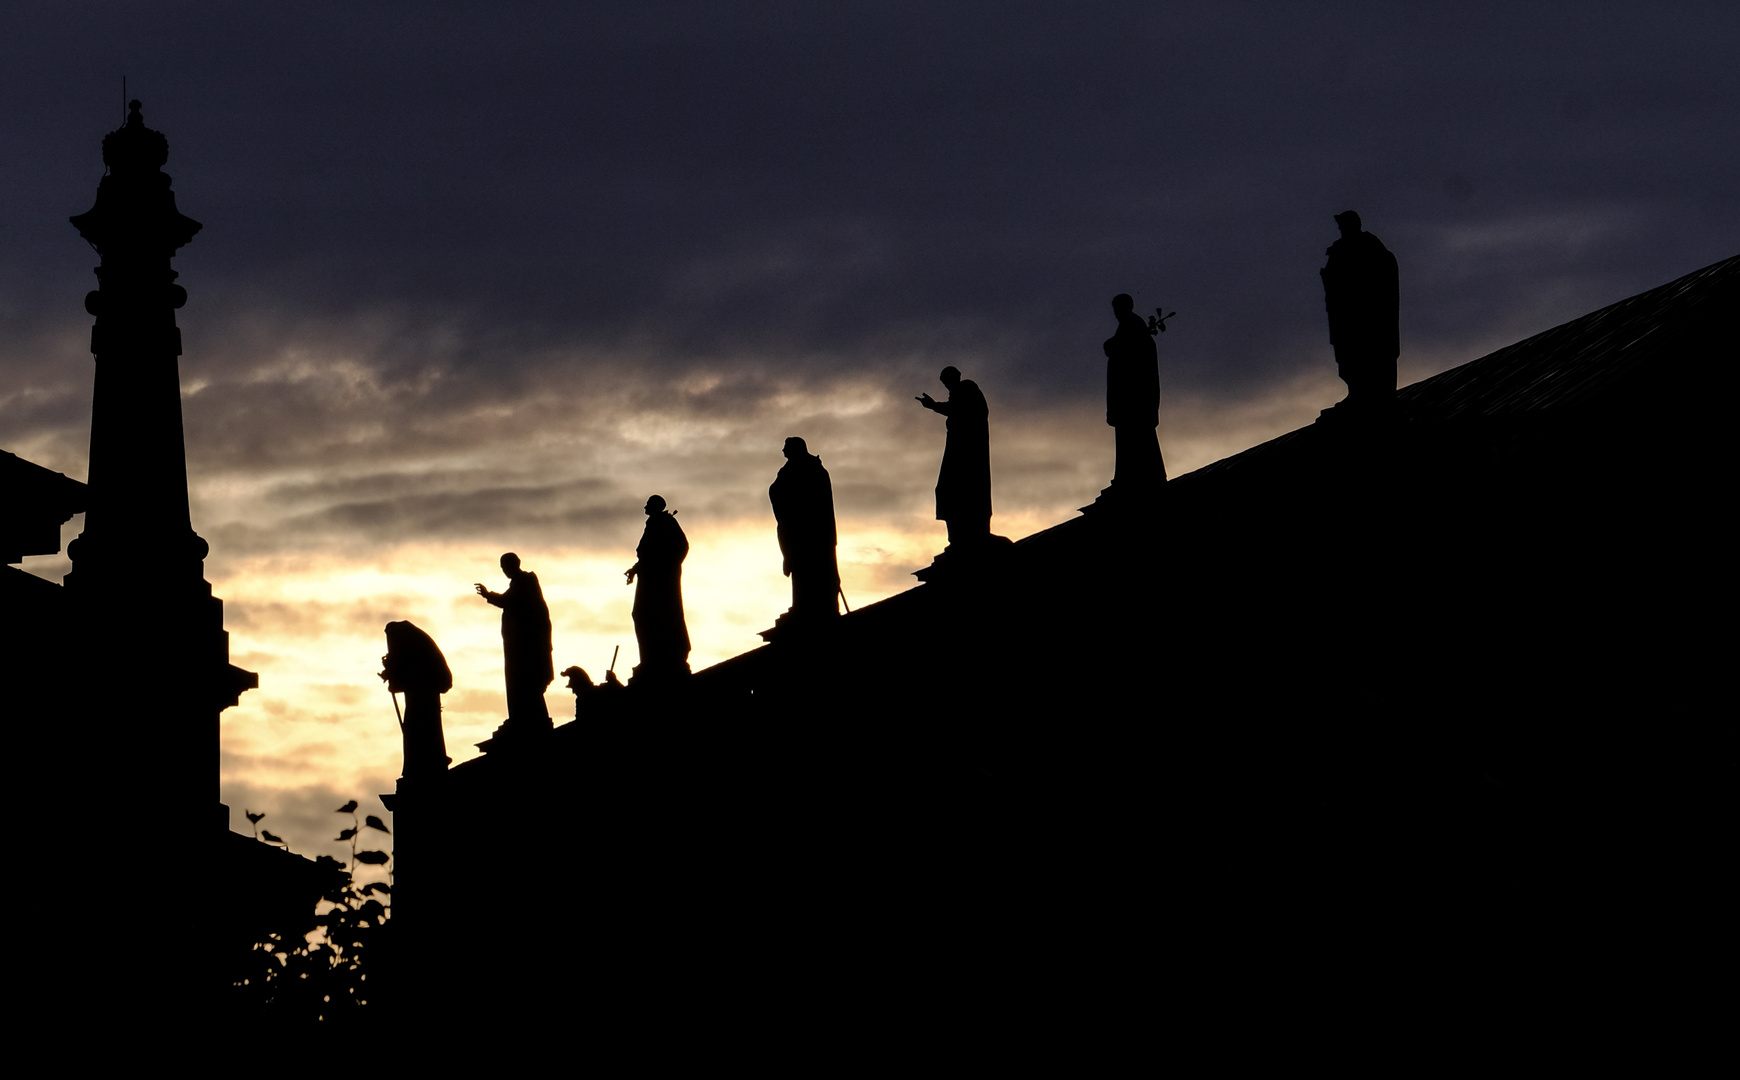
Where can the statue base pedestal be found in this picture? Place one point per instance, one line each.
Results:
(1127, 499)
(659, 674)
(793, 623)
(512, 734)
(961, 559)
(1348, 412)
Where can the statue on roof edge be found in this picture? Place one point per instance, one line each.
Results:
(1362, 293)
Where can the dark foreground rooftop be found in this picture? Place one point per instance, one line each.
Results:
(1371, 677)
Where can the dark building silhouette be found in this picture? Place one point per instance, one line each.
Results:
(36, 503)
(1393, 705)
(122, 670)
(1369, 726)
(137, 575)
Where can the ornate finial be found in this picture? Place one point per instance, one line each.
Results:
(134, 203)
(134, 147)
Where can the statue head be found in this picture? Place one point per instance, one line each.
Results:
(1123, 304)
(510, 564)
(655, 505)
(951, 377)
(1349, 222)
(796, 448)
(578, 680)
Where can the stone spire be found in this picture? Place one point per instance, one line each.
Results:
(138, 520)
(150, 624)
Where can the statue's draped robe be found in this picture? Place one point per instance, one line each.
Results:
(525, 646)
(1133, 401)
(659, 626)
(415, 667)
(803, 505)
(1362, 293)
(963, 486)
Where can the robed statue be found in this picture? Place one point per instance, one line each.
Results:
(659, 626)
(963, 485)
(415, 667)
(525, 646)
(1362, 292)
(803, 505)
(1133, 400)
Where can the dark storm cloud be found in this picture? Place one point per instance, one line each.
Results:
(306, 619)
(527, 263)
(831, 189)
(456, 514)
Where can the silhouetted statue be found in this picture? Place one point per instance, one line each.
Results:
(525, 645)
(659, 626)
(582, 687)
(803, 505)
(415, 667)
(1362, 291)
(1133, 400)
(963, 486)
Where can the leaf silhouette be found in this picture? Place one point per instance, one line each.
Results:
(375, 887)
(266, 835)
(372, 858)
(253, 818)
(374, 822)
(347, 808)
(347, 834)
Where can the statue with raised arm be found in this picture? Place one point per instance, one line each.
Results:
(963, 485)
(1133, 400)
(803, 505)
(1362, 292)
(659, 626)
(525, 645)
(415, 667)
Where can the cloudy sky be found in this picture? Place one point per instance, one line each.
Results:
(478, 278)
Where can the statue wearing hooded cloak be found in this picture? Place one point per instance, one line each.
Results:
(415, 667)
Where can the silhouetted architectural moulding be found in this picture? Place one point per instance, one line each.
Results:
(963, 485)
(415, 667)
(34, 503)
(1362, 292)
(525, 645)
(1133, 401)
(803, 505)
(659, 626)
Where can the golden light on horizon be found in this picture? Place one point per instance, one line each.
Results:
(312, 626)
(307, 555)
